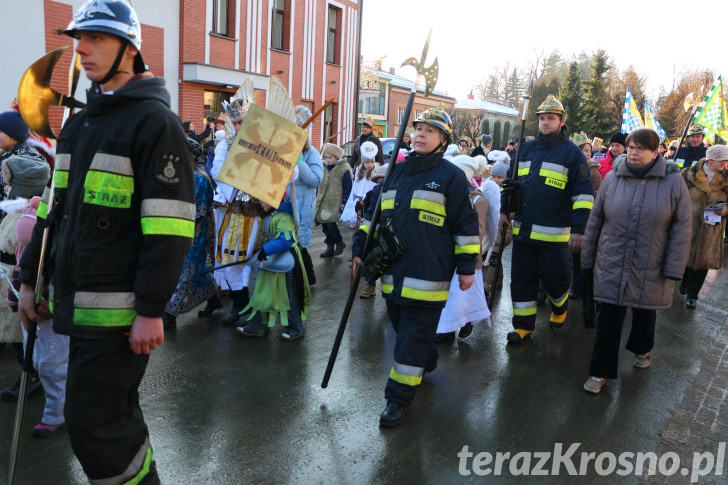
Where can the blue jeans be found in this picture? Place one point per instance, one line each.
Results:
(331, 231)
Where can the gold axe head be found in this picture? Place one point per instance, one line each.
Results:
(35, 94)
(429, 73)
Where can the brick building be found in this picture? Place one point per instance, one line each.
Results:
(205, 49)
(387, 108)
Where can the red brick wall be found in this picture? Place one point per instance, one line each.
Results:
(153, 49)
(191, 103)
(398, 97)
(222, 52)
(57, 16)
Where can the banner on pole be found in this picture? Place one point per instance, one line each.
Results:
(262, 157)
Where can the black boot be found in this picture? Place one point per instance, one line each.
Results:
(339, 248)
(329, 251)
(393, 415)
(308, 265)
(213, 303)
(240, 300)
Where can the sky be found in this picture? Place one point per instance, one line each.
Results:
(472, 37)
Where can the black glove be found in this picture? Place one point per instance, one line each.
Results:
(262, 255)
(493, 260)
(513, 191)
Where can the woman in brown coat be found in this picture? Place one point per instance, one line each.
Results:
(636, 243)
(707, 183)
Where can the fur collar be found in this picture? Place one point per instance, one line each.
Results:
(695, 176)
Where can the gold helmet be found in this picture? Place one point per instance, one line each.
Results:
(551, 105)
(696, 130)
(436, 117)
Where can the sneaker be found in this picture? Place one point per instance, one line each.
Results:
(518, 335)
(46, 430)
(643, 361)
(557, 321)
(11, 393)
(285, 336)
(368, 291)
(594, 384)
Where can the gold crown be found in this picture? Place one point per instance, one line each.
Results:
(580, 138)
(551, 105)
(597, 142)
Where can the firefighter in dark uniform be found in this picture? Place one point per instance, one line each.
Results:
(426, 202)
(695, 150)
(121, 223)
(557, 198)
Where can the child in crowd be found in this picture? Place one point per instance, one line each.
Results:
(281, 285)
(331, 198)
(27, 177)
(463, 308)
(497, 175)
(370, 289)
(362, 183)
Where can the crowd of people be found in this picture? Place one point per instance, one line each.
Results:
(618, 230)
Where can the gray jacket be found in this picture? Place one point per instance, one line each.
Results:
(637, 238)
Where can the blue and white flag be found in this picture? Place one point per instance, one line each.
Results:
(652, 123)
(631, 119)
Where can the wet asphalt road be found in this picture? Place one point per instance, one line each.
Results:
(223, 409)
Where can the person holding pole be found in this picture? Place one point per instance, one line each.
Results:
(557, 198)
(426, 202)
(695, 150)
(121, 223)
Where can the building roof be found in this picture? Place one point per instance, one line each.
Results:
(479, 105)
(400, 82)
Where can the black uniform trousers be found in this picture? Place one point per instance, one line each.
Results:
(693, 280)
(605, 357)
(415, 351)
(104, 420)
(529, 263)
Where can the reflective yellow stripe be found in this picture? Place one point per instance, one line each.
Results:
(429, 201)
(408, 375)
(364, 228)
(61, 179)
(583, 201)
(42, 211)
(467, 249)
(167, 226)
(113, 309)
(524, 168)
(106, 162)
(387, 283)
(559, 301)
(416, 289)
(550, 234)
(388, 199)
(428, 206)
(148, 459)
(516, 227)
(553, 175)
(524, 308)
(168, 208)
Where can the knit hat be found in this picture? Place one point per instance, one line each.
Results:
(499, 170)
(470, 165)
(13, 125)
(718, 153)
(219, 135)
(485, 139)
(380, 172)
(26, 175)
(620, 138)
(369, 151)
(333, 150)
